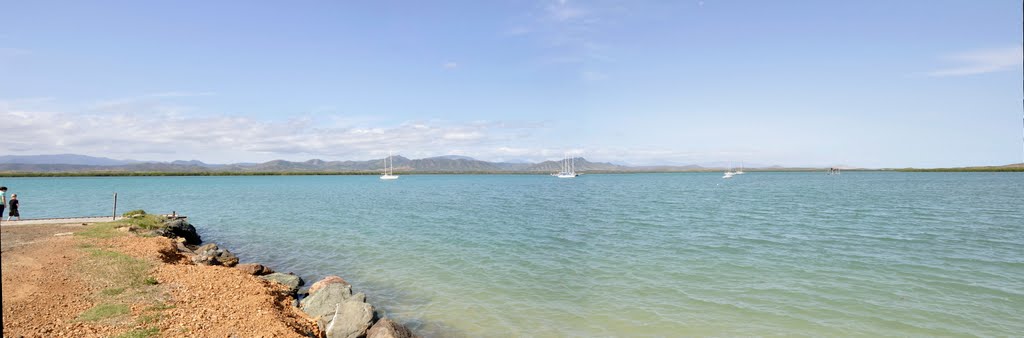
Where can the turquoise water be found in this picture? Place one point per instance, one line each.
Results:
(766, 254)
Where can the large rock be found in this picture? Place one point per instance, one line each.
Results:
(322, 302)
(386, 328)
(206, 255)
(351, 319)
(211, 254)
(338, 312)
(326, 281)
(179, 243)
(291, 281)
(181, 228)
(226, 258)
(254, 269)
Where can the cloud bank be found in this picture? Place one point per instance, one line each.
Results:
(146, 128)
(983, 61)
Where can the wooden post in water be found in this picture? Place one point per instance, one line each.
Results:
(114, 216)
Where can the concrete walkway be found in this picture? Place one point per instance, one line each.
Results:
(69, 220)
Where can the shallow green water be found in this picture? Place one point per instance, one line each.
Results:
(766, 254)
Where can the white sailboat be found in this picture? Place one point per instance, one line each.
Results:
(740, 172)
(729, 173)
(568, 168)
(389, 170)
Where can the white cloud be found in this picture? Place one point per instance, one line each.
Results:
(180, 94)
(562, 11)
(450, 65)
(570, 33)
(226, 139)
(984, 61)
(463, 135)
(154, 131)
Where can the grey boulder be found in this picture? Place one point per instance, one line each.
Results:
(211, 254)
(181, 228)
(338, 312)
(291, 281)
(386, 328)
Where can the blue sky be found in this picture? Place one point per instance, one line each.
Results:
(862, 83)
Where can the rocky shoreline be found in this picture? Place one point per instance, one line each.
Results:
(329, 302)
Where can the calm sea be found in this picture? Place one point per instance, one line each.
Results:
(764, 254)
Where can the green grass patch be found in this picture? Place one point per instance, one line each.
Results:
(141, 333)
(145, 221)
(118, 269)
(149, 318)
(150, 281)
(103, 311)
(133, 213)
(109, 229)
(112, 291)
(159, 307)
(102, 230)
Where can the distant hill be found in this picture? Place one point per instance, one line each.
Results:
(193, 162)
(581, 165)
(63, 159)
(452, 157)
(1015, 167)
(69, 163)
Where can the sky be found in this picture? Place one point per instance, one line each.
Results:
(860, 83)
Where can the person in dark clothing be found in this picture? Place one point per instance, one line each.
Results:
(13, 205)
(3, 201)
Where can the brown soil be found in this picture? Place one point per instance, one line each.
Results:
(47, 286)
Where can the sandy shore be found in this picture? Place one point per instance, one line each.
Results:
(62, 280)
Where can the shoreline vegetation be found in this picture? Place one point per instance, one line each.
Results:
(150, 275)
(1006, 168)
(360, 173)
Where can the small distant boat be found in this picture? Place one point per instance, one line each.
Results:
(568, 168)
(740, 172)
(389, 170)
(729, 173)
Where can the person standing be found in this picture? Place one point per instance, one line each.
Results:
(13, 205)
(3, 201)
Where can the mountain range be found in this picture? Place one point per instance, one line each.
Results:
(65, 163)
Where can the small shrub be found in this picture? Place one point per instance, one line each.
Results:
(148, 222)
(151, 281)
(133, 213)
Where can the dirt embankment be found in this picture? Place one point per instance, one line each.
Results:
(88, 281)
